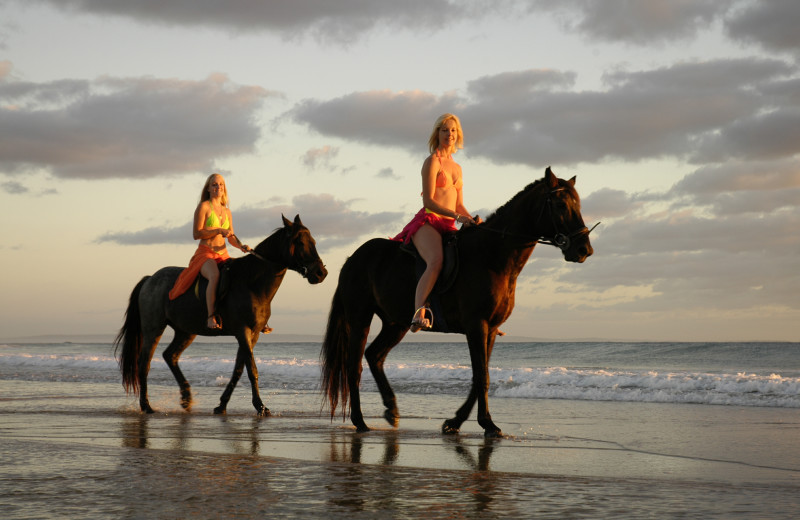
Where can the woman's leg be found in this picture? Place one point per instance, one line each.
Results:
(210, 271)
(428, 242)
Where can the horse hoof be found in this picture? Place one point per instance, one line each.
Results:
(264, 412)
(219, 410)
(362, 429)
(391, 417)
(448, 429)
(492, 434)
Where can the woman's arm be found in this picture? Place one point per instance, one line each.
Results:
(232, 238)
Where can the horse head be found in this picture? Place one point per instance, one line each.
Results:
(301, 250)
(560, 220)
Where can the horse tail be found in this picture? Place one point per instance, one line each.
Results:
(130, 339)
(335, 356)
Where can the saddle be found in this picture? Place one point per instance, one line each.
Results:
(445, 280)
(223, 286)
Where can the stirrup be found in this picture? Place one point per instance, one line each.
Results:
(419, 322)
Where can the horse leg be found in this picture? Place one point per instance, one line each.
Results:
(481, 344)
(238, 367)
(149, 343)
(244, 358)
(246, 348)
(171, 355)
(389, 336)
(480, 355)
(452, 426)
(357, 341)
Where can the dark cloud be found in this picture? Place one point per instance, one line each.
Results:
(331, 221)
(342, 21)
(694, 109)
(125, 127)
(381, 117)
(762, 136)
(387, 173)
(771, 24)
(634, 21)
(14, 188)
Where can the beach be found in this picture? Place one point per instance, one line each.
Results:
(79, 447)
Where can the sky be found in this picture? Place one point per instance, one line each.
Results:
(679, 118)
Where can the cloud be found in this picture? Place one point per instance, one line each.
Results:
(343, 21)
(701, 110)
(125, 127)
(634, 21)
(331, 221)
(387, 173)
(320, 156)
(773, 25)
(380, 117)
(14, 188)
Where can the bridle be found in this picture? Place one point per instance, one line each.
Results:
(302, 269)
(559, 239)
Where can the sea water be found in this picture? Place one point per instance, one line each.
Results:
(744, 374)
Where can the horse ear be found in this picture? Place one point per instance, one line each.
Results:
(297, 220)
(572, 180)
(286, 222)
(550, 178)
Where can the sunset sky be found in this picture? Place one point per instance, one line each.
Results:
(680, 119)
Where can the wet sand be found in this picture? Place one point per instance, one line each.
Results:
(83, 450)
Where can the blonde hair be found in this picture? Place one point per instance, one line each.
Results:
(433, 141)
(205, 195)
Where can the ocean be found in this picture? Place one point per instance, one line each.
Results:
(591, 430)
(714, 374)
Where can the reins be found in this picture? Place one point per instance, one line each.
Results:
(302, 270)
(559, 240)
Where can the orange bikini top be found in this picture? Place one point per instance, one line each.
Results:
(442, 178)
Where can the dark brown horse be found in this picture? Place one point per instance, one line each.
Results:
(244, 309)
(380, 279)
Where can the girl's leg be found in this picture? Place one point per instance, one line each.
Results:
(210, 271)
(428, 242)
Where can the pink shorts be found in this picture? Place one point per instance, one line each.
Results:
(438, 222)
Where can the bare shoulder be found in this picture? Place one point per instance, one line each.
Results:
(431, 163)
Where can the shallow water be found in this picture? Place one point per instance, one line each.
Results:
(83, 450)
(72, 444)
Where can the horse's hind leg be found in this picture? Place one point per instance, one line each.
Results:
(149, 343)
(171, 355)
(356, 343)
(389, 336)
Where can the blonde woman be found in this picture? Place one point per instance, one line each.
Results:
(212, 226)
(442, 208)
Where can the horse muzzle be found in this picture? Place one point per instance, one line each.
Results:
(316, 274)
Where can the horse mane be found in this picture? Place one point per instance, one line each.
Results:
(500, 212)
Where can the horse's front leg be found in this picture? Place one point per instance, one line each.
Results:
(452, 426)
(246, 351)
(238, 367)
(481, 343)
